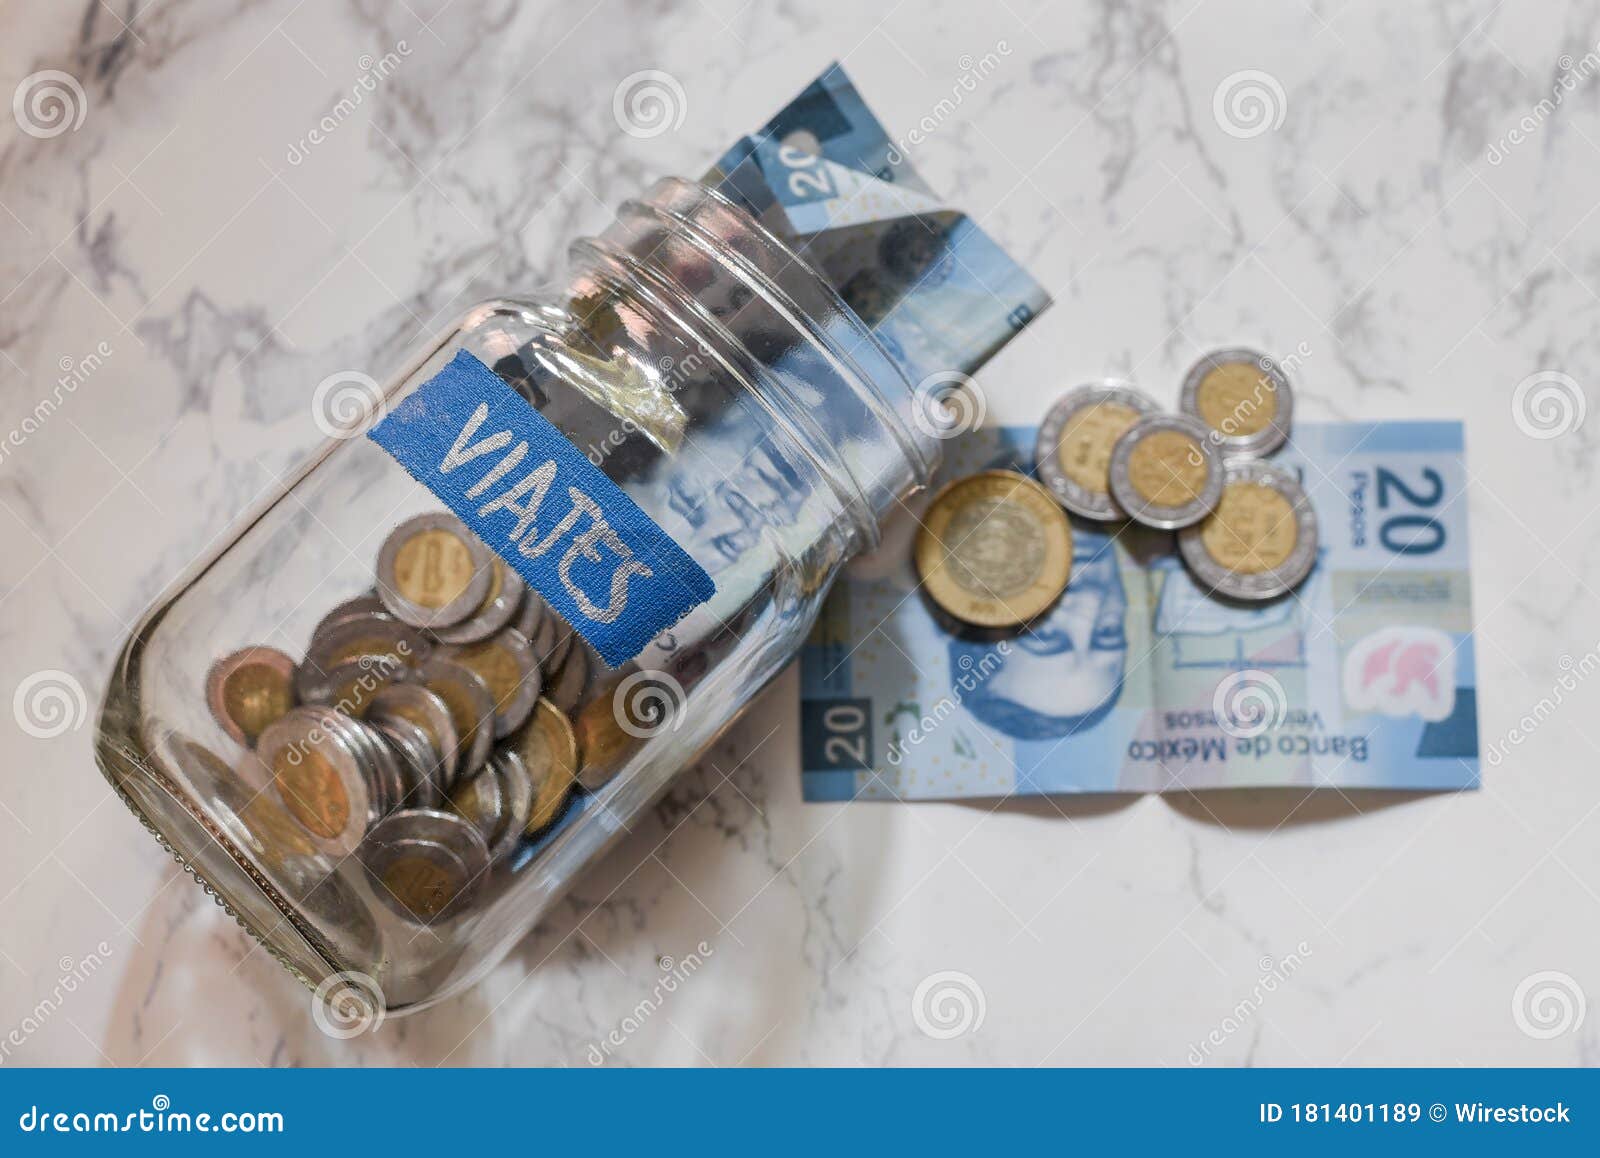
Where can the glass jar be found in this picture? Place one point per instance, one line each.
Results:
(726, 389)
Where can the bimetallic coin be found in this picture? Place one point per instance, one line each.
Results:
(565, 637)
(1261, 541)
(1073, 452)
(1165, 473)
(603, 745)
(349, 686)
(567, 685)
(417, 760)
(417, 706)
(433, 572)
(517, 790)
(994, 549)
(320, 777)
(507, 665)
(481, 800)
(365, 637)
(471, 707)
(1244, 399)
(425, 864)
(549, 748)
(249, 690)
(530, 615)
(358, 608)
(496, 610)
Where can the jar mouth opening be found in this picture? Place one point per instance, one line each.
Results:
(851, 366)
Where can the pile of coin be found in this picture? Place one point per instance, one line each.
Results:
(428, 730)
(989, 555)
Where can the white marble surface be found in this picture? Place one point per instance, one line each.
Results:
(1372, 225)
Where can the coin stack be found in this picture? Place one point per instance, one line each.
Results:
(428, 729)
(992, 555)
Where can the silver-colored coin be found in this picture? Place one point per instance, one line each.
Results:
(349, 686)
(433, 572)
(566, 687)
(530, 614)
(357, 608)
(419, 763)
(471, 706)
(496, 611)
(517, 791)
(418, 706)
(1244, 399)
(425, 864)
(367, 636)
(506, 663)
(1165, 473)
(382, 769)
(321, 776)
(1262, 539)
(1073, 450)
(481, 800)
(561, 639)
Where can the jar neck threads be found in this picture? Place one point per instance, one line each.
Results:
(715, 275)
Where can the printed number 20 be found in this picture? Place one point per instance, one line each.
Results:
(1410, 533)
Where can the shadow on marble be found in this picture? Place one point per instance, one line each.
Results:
(1270, 808)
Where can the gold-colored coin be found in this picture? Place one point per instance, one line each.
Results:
(311, 789)
(603, 746)
(1237, 398)
(1086, 441)
(1167, 468)
(1252, 530)
(549, 748)
(249, 690)
(433, 568)
(994, 549)
(421, 884)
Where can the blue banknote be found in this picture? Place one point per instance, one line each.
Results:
(825, 177)
(1137, 681)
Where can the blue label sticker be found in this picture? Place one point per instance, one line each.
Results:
(549, 512)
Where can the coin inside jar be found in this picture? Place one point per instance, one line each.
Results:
(249, 690)
(1243, 397)
(1262, 539)
(433, 571)
(1164, 472)
(425, 864)
(505, 596)
(471, 706)
(506, 663)
(1073, 451)
(994, 549)
(423, 709)
(549, 749)
(320, 776)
